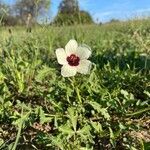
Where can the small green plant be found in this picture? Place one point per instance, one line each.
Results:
(70, 14)
(106, 108)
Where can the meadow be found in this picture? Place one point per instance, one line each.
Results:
(108, 109)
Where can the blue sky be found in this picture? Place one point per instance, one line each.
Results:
(104, 10)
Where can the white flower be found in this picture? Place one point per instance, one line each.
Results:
(74, 59)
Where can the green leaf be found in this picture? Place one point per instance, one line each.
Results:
(1, 142)
(146, 145)
(85, 148)
(42, 73)
(73, 117)
(98, 108)
(22, 119)
(124, 93)
(85, 132)
(121, 126)
(133, 148)
(111, 133)
(65, 129)
(97, 126)
(2, 77)
(105, 113)
(56, 141)
(147, 93)
(95, 105)
(112, 137)
(43, 118)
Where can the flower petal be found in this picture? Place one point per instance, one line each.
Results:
(71, 47)
(84, 67)
(84, 52)
(61, 56)
(68, 71)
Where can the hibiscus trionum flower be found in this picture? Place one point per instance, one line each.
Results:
(74, 59)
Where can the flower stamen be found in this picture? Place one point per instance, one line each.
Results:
(73, 60)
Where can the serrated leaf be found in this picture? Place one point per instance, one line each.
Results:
(21, 120)
(65, 129)
(85, 132)
(56, 141)
(98, 108)
(97, 126)
(105, 113)
(73, 117)
(43, 118)
(95, 105)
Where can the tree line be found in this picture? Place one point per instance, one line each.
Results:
(19, 11)
(27, 11)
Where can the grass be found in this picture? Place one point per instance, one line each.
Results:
(107, 109)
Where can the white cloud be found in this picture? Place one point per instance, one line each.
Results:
(122, 15)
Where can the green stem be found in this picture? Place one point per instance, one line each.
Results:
(139, 112)
(18, 136)
(19, 132)
(76, 89)
(78, 95)
(146, 59)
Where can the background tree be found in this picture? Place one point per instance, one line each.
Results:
(5, 13)
(114, 20)
(68, 6)
(69, 14)
(34, 7)
(3, 9)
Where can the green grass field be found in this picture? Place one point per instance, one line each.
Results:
(106, 110)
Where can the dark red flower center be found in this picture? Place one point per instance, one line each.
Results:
(73, 60)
